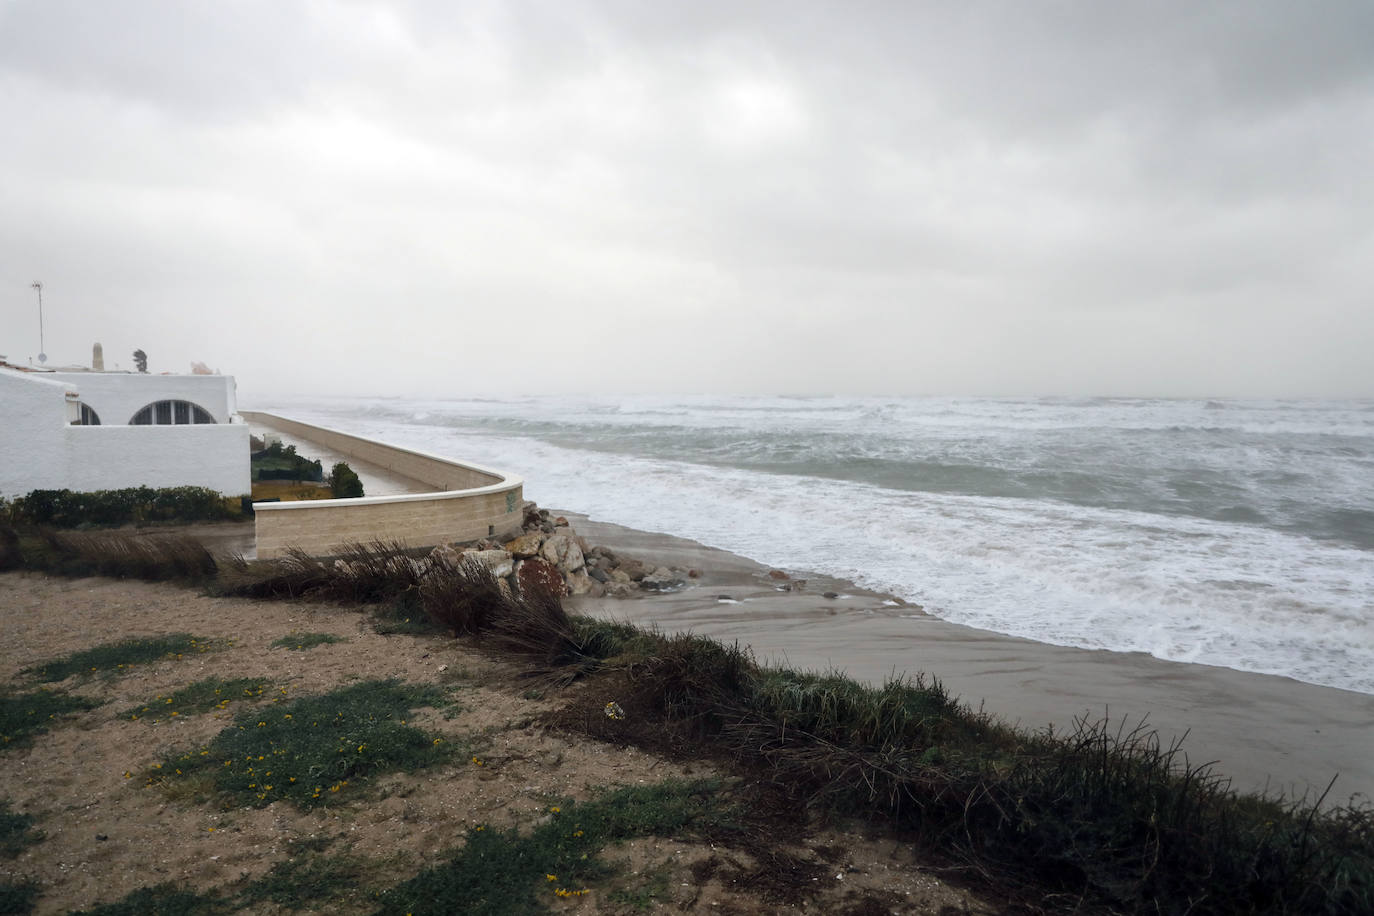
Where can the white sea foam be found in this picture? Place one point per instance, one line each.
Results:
(1256, 597)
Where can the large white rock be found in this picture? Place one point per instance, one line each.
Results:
(500, 562)
(563, 552)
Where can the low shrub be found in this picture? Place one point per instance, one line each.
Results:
(344, 481)
(71, 509)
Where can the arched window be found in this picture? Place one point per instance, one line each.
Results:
(88, 417)
(170, 413)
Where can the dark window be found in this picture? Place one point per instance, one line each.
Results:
(88, 417)
(168, 413)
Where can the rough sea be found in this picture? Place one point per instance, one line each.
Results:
(1232, 533)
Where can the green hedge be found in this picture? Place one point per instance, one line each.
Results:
(69, 509)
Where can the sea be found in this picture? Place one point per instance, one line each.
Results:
(1237, 533)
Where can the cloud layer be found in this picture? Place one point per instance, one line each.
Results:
(989, 198)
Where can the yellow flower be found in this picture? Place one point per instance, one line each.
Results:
(552, 877)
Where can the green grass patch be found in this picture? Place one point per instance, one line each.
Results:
(649, 890)
(314, 750)
(503, 871)
(311, 878)
(16, 831)
(200, 697)
(167, 899)
(299, 642)
(115, 657)
(18, 896)
(24, 715)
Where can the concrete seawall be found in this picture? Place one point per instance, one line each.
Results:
(468, 501)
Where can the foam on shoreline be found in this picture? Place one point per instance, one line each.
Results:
(1265, 732)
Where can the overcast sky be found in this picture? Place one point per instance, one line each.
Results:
(437, 198)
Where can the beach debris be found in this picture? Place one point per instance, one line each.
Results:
(830, 595)
(614, 710)
(778, 574)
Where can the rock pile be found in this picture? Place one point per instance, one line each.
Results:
(549, 553)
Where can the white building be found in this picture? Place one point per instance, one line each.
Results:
(106, 430)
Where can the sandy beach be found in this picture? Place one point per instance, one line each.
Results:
(1264, 732)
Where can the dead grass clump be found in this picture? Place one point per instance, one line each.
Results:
(463, 597)
(121, 556)
(364, 573)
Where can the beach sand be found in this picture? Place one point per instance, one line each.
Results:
(1264, 732)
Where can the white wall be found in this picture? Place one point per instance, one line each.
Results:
(117, 396)
(110, 457)
(40, 450)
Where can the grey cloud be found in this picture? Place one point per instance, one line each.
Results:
(892, 196)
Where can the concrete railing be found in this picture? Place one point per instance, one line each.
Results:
(469, 502)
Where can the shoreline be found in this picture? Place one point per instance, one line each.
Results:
(1263, 732)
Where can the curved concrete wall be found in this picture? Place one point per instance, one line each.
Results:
(469, 502)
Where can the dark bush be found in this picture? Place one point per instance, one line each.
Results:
(344, 482)
(71, 509)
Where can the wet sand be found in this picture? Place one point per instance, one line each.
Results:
(1262, 731)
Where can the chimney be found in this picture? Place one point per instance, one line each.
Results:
(97, 358)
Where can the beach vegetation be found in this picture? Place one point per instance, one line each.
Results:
(23, 715)
(362, 573)
(166, 899)
(153, 557)
(18, 896)
(301, 642)
(500, 871)
(313, 750)
(16, 831)
(200, 697)
(117, 657)
(327, 880)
